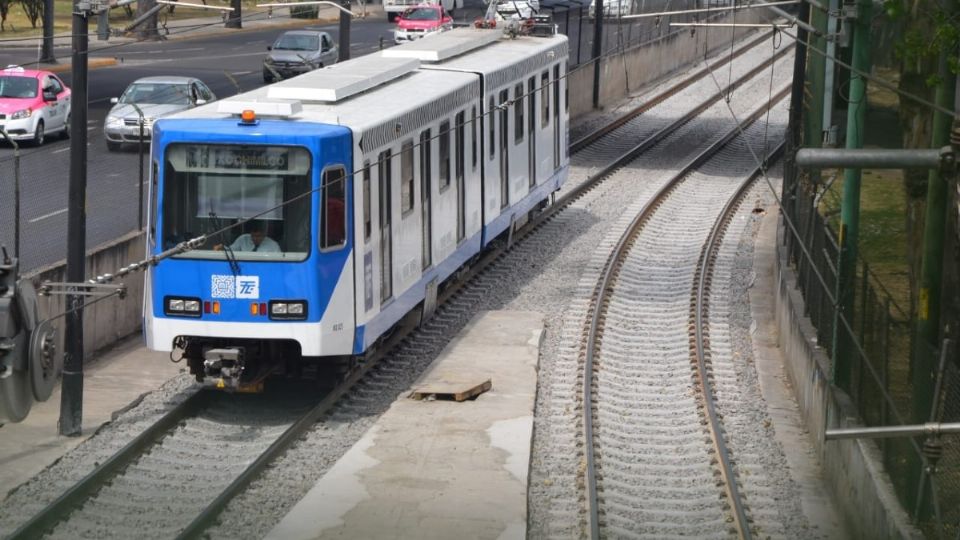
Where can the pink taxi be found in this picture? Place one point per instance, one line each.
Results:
(32, 104)
(420, 21)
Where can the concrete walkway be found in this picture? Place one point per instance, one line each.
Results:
(437, 468)
(120, 377)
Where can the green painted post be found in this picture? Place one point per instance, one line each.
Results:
(931, 266)
(850, 205)
(813, 124)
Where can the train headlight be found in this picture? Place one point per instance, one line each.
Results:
(182, 307)
(288, 309)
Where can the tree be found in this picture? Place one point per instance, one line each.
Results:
(4, 11)
(147, 28)
(33, 9)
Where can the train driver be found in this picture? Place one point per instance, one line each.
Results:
(255, 240)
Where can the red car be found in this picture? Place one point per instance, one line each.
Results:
(420, 21)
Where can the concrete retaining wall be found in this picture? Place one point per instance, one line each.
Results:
(110, 320)
(626, 72)
(853, 469)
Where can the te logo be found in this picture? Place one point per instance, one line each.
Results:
(248, 286)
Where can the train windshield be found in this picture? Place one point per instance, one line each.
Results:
(261, 191)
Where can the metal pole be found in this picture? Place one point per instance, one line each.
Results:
(931, 265)
(850, 206)
(597, 50)
(71, 396)
(884, 432)
(46, 52)
(830, 134)
(794, 128)
(870, 158)
(935, 402)
(344, 31)
(579, 34)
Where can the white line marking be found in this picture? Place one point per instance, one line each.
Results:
(64, 149)
(238, 73)
(50, 215)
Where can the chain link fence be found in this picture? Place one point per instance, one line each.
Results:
(876, 341)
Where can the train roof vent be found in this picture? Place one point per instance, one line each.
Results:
(341, 81)
(262, 107)
(445, 45)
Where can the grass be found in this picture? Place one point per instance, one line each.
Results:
(18, 24)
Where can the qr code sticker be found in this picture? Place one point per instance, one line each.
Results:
(222, 286)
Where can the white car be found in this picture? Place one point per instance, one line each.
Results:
(32, 104)
(523, 9)
(154, 97)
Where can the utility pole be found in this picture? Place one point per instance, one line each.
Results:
(850, 205)
(794, 129)
(597, 50)
(71, 397)
(46, 52)
(345, 17)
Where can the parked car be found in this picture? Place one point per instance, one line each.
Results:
(155, 97)
(32, 104)
(299, 51)
(523, 9)
(420, 21)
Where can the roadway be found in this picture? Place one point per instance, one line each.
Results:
(229, 63)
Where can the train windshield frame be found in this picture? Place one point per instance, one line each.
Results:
(264, 190)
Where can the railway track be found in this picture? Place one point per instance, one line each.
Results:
(641, 418)
(365, 385)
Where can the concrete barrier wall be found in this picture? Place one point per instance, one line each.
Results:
(626, 72)
(853, 469)
(112, 319)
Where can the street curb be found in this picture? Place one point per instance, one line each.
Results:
(92, 63)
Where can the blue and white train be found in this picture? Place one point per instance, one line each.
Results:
(373, 180)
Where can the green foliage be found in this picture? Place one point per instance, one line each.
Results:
(928, 31)
(304, 12)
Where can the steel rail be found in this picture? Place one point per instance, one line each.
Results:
(603, 289)
(699, 308)
(44, 522)
(597, 134)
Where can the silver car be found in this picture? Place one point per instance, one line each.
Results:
(299, 51)
(155, 97)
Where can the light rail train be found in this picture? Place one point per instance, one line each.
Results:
(370, 183)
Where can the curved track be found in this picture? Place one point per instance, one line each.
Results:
(642, 418)
(363, 385)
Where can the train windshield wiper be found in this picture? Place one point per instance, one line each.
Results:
(227, 251)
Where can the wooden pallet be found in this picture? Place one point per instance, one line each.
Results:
(452, 387)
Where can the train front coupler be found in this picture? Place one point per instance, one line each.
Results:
(224, 366)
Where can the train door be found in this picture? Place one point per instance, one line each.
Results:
(504, 160)
(532, 139)
(386, 236)
(556, 117)
(425, 197)
(459, 165)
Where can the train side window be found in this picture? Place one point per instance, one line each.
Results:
(491, 116)
(566, 86)
(473, 138)
(406, 177)
(460, 147)
(518, 113)
(334, 223)
(426, 142)
(367, 222)
(545, 98)
(444, 154)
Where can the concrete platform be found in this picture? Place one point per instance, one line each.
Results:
(440, 468)
(113, 382)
